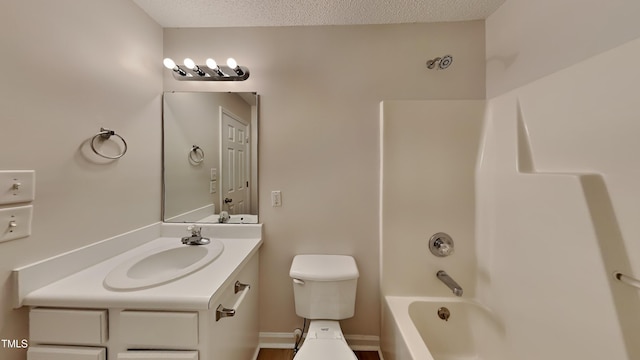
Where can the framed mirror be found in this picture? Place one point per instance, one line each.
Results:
(209, 155)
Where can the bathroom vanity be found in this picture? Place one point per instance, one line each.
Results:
(210, 313)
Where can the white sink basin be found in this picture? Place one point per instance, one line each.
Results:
(162, 265)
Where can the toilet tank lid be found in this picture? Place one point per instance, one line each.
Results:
(324, 267)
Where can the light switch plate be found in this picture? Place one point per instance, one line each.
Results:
(276, 198)
(17, 186)
(15, 222)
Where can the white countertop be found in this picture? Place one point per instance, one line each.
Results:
(196, 291)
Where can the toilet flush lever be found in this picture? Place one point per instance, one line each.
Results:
(298, 281)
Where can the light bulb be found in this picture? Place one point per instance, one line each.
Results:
(190, 64)
(211, 64)
(169, 64)
(231, 62)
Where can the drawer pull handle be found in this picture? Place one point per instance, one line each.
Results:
(223, 312)
(238, 286)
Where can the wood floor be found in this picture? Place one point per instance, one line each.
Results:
(287, 354)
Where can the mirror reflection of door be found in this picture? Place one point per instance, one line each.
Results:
(234, 162)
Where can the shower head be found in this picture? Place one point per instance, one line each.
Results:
(441, 62)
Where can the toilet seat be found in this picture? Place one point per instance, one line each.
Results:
(323, 349)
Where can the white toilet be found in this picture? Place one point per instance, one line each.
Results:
(324, 287)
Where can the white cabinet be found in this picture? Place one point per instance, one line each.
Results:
(64, 326)
(158, 355)
(65, 353)
(142, 334)
(159, 330)
(235, 338)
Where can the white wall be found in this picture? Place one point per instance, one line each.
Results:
(320, 89)
(557, 185)
(527, 40)
(70, 67)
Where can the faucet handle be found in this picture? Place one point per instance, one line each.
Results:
(441, 245)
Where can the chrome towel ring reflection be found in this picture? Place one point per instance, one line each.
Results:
(626, 279)
(196, 155)
(105, 134)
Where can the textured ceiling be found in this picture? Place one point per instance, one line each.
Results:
(247, 13)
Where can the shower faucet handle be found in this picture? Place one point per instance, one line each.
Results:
(441, 245)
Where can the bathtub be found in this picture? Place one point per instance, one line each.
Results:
(412, 330)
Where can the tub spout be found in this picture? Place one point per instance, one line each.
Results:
(451, 284)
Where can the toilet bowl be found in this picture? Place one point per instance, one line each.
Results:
(324, 288)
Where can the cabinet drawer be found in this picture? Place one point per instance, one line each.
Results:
(161, 330)
(158, 355)
(63, 326)
(65, 353)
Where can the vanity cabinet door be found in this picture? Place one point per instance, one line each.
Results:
(65, 353)
(68, 326)
(158, 355)
(236, 337)
(159, 330)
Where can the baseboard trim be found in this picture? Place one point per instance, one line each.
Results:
(276, 340)
(256, 353)
(281, 340)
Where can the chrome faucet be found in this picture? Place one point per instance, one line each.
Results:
(196, 237)
(451, 284)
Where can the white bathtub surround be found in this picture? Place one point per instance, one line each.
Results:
(555, 216)
(428, 152)
(557, 211)
(428, 155)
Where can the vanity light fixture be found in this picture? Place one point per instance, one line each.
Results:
(209, 72)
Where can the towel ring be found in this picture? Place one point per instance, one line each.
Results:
(196, 155)
(105, 134)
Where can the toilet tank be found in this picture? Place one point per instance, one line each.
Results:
(324, 286)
